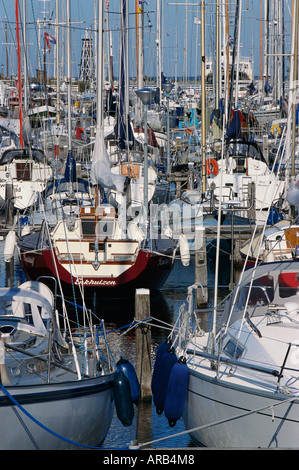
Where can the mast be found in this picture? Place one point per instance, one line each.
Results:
(283, 49)
(100, 67)
(139, 45)
(69, 74)
(25, 55)
(232, 73)
(295, 84)
(158, 41)
(123, 133)
(261, 44)
(218, 67)
(6, 48)
(226, 46)
(267, 20)
(238, 29)
(19, 70)
(185, 71)
(203, 96)
(57, 66)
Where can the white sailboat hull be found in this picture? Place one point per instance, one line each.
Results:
(25, 193)
(79, 412)
(211, 401)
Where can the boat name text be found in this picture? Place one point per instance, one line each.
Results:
(94, 282)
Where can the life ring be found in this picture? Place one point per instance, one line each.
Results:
(211, 167)
(276, 128)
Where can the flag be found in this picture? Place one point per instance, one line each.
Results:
(140, 5)
(49, 40)
(231, 41)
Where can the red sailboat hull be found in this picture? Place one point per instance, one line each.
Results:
(150, 270)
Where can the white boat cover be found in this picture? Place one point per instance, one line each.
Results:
(101, 169)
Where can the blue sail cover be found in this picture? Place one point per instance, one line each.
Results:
(234, 130)
(70, 173)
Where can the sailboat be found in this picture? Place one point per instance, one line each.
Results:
(67, 194)
(231, 372)
(28, 172)
(24, 169)
(126, 160)
(47, 372)
(278, 242)
(233, 176)
(241, 389)
(95, 251)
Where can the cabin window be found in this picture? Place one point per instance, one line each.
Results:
(261, 293)
(240, 165)
(288, 284)
(88, 227)
(24, 171)
(105, 228)
(233, 349)
(28, 313)
(101, 246)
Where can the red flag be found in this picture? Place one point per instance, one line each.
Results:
(49, 40)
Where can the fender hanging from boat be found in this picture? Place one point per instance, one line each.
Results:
(9, 245)
(128, 369)
(184, 250)
(160, 378)
(163, 348)
(176, 391)
(123, 398)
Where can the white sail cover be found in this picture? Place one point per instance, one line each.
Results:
(101, 169)
(293, 194)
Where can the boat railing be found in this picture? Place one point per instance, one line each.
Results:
(283, 367)
(234, 362)
(233, 203)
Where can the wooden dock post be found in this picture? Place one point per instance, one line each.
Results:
(251, 199)
(9, 202)
(143, 344)
(201, 268)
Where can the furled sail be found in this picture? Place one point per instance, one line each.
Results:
(101, 169)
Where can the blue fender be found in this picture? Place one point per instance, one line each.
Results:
(123, 398)
(160, 378)
(129, 371)
(176, 391)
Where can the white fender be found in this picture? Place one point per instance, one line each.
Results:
(184, 250)
(9, 245)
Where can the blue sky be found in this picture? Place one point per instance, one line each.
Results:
(179, 48)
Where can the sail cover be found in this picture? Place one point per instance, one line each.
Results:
(100, 172)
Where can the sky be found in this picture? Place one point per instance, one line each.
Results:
(180, 33)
